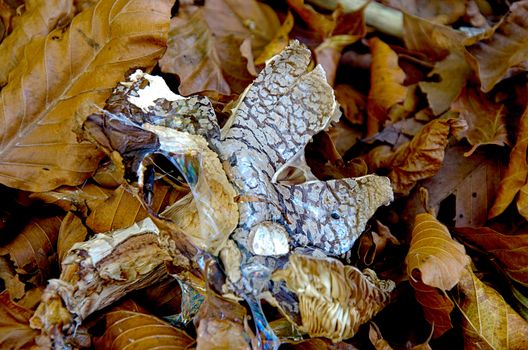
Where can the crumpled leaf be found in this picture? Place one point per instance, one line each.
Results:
(485, 119)
(434, 260)
(488, 321)
(15, 332)
(334, 299)
(39, 19)
(128, 329)
(96, 273)
(204, 47)
(453, 72)
(515, 178)
(38, 106)
(33, 252)
(418, 159)
(373, 243)
(506, 48)
(386, 79)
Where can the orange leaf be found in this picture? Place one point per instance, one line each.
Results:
(515, 177)
(488, 321)
(60, 73)
(321, 24)
(128, 329)
(485, 119)
(439, 259)
(72, 230)
(386, 79)
(507, 47)
(204, 48)
(15, 332)
(279, 41)
(39, 19)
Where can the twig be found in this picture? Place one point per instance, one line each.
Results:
(385, 19)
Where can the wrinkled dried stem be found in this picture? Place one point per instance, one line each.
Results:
(383, 18)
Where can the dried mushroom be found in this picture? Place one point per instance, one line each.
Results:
(334, 299)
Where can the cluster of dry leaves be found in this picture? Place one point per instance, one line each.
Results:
(434, 96)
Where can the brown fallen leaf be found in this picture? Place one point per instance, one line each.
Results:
(164, 297)
(352, 102)
(128, 329)
(509, 251)
(71, 231)
(506, 48)
(220, 324)
(15, 332)
(453, 72)
(318, 344)
(386, 79)
(334, 299)
(328, 53)
(376, 338)
(204, 47)
(39, 19)
(488, 321)
(434, 260)
(33, 252)
(374, 242)
(418, 159)
(52, 81)
(514, 179)
(485, 119)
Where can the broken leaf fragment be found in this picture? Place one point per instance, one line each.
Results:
(334, 299)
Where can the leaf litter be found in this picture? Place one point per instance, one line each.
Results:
(279, 201)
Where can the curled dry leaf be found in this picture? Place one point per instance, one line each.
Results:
(376, 338)
(96, 273)
(204, 47)
(418, 159)
(40, 18)
(334, 299)
(514, 180)
(321, 24)
(506, 48)
(439, 259)
(56, 80)
(32, 253)
(129, 329)
(434, 260)
(15, 332)
(488, 321)
(485, 119)
(386, 84)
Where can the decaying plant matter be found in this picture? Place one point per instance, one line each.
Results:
(252, 174)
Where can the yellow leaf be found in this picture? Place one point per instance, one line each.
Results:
(279, 41)
(488, 321)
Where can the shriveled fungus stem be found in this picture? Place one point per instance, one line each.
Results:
(385, 19)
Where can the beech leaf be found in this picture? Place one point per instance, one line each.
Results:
(386, 79)
(488, 321)
(72, 230)
(63, 71)
(486, 125)
(143, 331)
(439, 259)
(516, 174)
(507, 47)
(15, 332)
(39, 19)
(204, 47)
